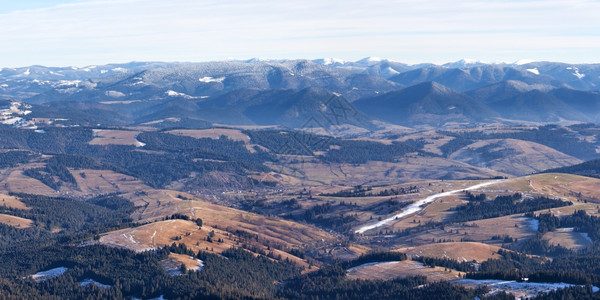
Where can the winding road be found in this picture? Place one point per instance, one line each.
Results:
(419, 205)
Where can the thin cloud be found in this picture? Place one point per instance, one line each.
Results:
(93, 32)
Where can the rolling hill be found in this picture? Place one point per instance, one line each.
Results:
(512, 156)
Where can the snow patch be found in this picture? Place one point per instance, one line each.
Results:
(529, 288)
(577, 74)
(534, 71)
(199, 268)
(89, 68)
(172, 93)
(177, 271)
(11, 121)
(69, 83)
(469, 61)
(373, 59)
(208, 79)
(88, 281)
(534, 224)
(391, 71)
(7, 115)
(464, 63)
(71, 90)
(372, 264)
(122, 70)
(140, 144)
(114, 94)
(48, 274)
(130, 238)
(331, 61)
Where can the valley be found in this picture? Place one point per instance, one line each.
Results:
(186, 175)
(310, 209)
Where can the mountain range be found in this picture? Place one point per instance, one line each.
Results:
(288, 93)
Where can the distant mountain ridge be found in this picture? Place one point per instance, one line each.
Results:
(426, 103)
(217, 78)
(288, 92)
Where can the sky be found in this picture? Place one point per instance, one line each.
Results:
(88, 32)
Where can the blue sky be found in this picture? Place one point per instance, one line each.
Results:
(86, 32)
(10, 6)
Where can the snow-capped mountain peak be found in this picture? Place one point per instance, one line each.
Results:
(329, 61)
(465, 63)
(370, 60)
(523, 62)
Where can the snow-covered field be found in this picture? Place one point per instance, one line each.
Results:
(172, 93)
(519, 289)
(371, 264)
(48, 274)
(138, 143)
(208, 79)
(418, 205)
(88, 281)
(13, 115)
(172, 265)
